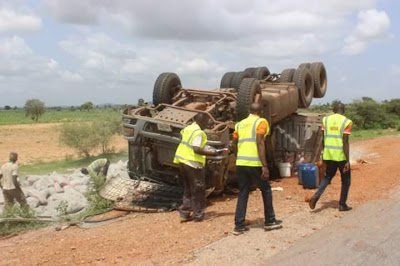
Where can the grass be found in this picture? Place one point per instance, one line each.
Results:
(373, 133)
(15, 117)
(15, 227)
(66, 165)
(97, 204)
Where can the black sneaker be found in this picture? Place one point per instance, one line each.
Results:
(185, 219)
(276, 224)
(313, 202)
(240, 230)
(199, 217)
(344, 208)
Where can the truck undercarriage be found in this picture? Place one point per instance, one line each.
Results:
(153, 131)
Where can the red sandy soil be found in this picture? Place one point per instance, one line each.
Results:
(160, 239)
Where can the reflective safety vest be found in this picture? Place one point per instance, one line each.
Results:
(95, 167)
(184, 152)
(334, 126)
(247, 151)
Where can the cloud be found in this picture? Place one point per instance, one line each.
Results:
(18, 21)
(29, 75)
(198, 66)
(208, 20)
(100, 58)
(19, 61)
(83, 12)
(15, 17)
(395, 71)
(372, 26)
(113, 51)
(277, 33)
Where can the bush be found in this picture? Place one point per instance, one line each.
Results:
(368, 114)
(85, 137)
(79, 137)
(392, 106)
(105, 130)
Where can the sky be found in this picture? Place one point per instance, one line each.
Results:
(67, 52)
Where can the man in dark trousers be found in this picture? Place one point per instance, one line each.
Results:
(9, 183)
(191, 157)
(337, 129)
(251, 165)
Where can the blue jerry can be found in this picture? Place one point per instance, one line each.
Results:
(308, 175)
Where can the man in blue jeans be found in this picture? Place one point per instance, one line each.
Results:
(251, 165)
(337, 129)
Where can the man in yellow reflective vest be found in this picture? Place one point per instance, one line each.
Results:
(251, 165)
(337, 129)
(96, 167)
(191, 157)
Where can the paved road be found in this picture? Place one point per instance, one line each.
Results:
(369, 235)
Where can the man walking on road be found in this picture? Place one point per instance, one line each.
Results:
(9, 183)
(337, 129)
(251, 165)
(191, 157)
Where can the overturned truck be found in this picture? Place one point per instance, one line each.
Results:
(153, 131)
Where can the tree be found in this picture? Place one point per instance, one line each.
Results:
(87, 106)
(7, 107)
(34, 108)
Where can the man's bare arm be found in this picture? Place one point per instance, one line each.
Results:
(234, 146)
(202, 151)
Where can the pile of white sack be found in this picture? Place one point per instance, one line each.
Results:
(65, 192)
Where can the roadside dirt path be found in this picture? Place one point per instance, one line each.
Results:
(159, 238)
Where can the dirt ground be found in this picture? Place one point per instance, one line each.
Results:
(40, 142)
(160, 239)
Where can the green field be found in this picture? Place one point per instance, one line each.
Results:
(14, 117)
(373, 133)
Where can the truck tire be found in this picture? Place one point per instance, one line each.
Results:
(305, 83)
(261, 73)
(250, 70)
(287, 75)
(318, 72)
(227, 80)
(166, 85)
(306, 65)
(237, 79)
(249, 88)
